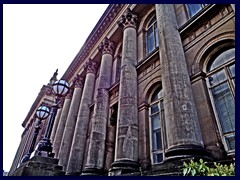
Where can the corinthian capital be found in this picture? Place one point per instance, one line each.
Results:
(78, 81)
(106, 47)
(91, 66)
(128, 19)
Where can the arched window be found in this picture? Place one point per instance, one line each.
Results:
(221, 82)
(194, 9)
(152, 36)
(157, 127)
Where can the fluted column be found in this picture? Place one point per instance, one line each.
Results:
(71, 122)
(184, 137)
(61, 124)
(96, 150)
(126, 149)
(79, 139)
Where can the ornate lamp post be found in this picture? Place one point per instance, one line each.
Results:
(44, 148)
(42, 113)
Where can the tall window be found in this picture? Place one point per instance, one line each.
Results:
(194, 8)
(152, 35)
(157, 126)
(221, 81)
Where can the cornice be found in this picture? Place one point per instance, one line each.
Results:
(107, 18)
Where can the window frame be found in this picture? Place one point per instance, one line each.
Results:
(189, 14)
(162, 128)
(229, 80)
(152, 25)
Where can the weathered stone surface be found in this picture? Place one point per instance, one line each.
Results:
(79, 139)
(70, 124)
(39, 166)
(127, 125)
(182, 124)
(96, 150)
(61, 126)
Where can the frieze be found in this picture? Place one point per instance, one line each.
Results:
(96, 34)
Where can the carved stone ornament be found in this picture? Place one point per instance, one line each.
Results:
(106, 47)
(128, 19)
(78, 81)
(91, 66)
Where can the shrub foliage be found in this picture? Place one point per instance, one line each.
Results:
(202, 169)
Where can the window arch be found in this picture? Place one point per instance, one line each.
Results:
(193, 9)
(221, 83)
(152, 35)
(157, 126)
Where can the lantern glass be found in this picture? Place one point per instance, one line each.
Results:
(60, 88)
(43, 112)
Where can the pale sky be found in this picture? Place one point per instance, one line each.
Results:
(37, 39)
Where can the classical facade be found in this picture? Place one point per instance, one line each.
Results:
(153, 86)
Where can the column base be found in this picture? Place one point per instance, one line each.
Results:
(187, 151)
(92, 172)
(121, 167)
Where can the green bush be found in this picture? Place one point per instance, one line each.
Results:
(201, 169)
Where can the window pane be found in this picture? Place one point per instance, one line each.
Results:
(155, 122)
(150, 40)
(225, 107)
(194, 9)
(222, 59)
(156, 35)
(217, 78)
(157, 95)
(154, 108)
(232, 70)
(230, 142)
(157, 157)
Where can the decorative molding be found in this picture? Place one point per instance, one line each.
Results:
(106, 47)
(78, 81)
(128, 20)
(91, 66)
(107, 18)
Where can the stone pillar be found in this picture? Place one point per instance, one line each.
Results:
(71, 122)
(184, 136)
(55, 126)
(126, 149)
(96, 150)
(61, 124)
(79, 139)
(18, 155)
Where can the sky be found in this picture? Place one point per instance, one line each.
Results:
(37, 39)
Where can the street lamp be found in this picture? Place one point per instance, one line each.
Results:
(60, 89)
(42, 113)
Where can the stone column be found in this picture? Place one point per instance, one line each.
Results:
(55, 126)
(96, 150)
(71, 122)
(184, 136)
(61, 124)
(79, 139)
(126, 149)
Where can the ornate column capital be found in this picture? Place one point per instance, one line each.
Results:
(106, 47)
(91, 66)
(70, 93)
(128, 20)
(78, 81)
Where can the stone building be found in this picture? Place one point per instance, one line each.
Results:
(153, 86)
